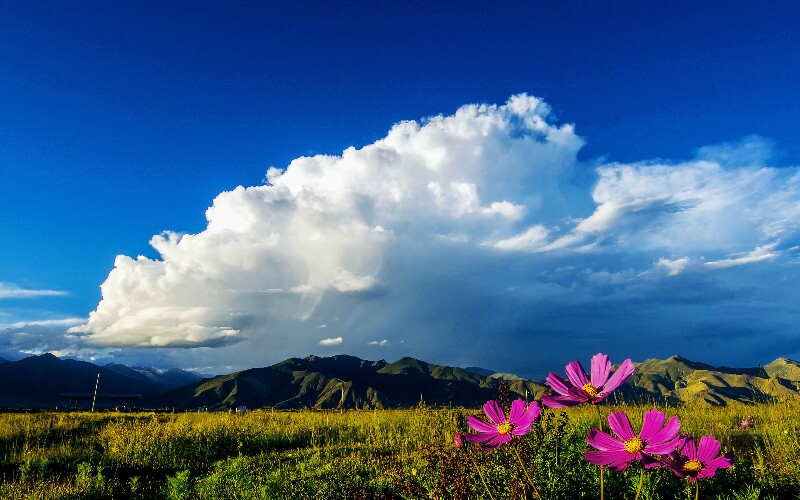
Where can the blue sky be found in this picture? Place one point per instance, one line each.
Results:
(121, 121)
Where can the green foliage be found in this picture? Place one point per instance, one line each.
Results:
(91, 480)
(385, 454)
(749, 493)
(134, 485)
(179, 486)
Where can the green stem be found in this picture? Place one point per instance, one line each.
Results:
(525, 470)
(480, 474)
(641, 481)
(602, 486)
(696, 490)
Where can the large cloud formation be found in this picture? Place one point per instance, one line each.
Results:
(475, 238)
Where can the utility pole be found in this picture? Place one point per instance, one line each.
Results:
(94, 399)
(341, 403)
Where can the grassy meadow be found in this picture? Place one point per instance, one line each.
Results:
(370, 454)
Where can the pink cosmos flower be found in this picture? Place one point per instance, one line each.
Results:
(744, 424)
(458, 439)
(697, 461)
(581, 389)
(500, 430)
(657, 437)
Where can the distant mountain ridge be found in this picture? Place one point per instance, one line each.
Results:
(170, 378)
(679, 380)
(349, 382)
(39, 381)
(345, 382)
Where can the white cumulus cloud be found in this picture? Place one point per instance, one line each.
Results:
(423, 232)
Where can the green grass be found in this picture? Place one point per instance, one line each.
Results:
(369, 454)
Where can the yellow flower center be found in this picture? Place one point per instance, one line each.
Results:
(693, 466)
(504, 428)
(590, 390)
(634, 445)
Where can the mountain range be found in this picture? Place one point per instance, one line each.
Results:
(342, 381)
(41, 381)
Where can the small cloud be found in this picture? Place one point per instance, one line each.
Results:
(380, 343)
(506, 209)
(610, 278)
(49, 322)
(12, 291)
(533, 239)
(674, 267)
(764, 252)
(323, 326)
(304, 288)
(345, 281)
(331, 341)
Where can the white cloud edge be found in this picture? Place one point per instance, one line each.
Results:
(12, 291)
(331, 341)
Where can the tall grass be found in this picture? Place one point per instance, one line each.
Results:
(367, 454)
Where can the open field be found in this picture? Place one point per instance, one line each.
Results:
(369, 454)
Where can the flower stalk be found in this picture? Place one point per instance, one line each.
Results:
(525, 471)
(480, 474)
(641, 482)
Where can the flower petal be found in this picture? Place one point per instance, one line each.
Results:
(576, 374)
(682, 440)
(654, 421)
(613, 458)
(722, 462)
(559, 401)
(706, 472)
(496, 441)
(517, 410)
(580, 394)
(534, 410)
(601, 368)
(601, 396)
(523, 423)
(558, 384)
(521, 430)
(621, 425)
(651, 462)
(661, 448)
(708, 448)
(479, 425)
(617, 468)
(495, 412)
(674, 464)
(624, 371)
(668, 433)
(480, 437)
(603, 441)
(689, 448)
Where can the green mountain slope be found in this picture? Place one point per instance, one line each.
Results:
(784, 368)
(345, 382)
(677, 380)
